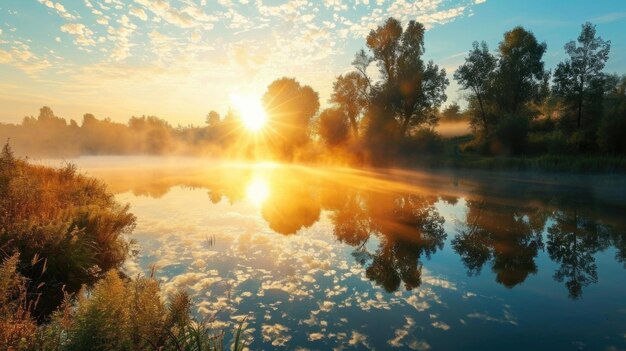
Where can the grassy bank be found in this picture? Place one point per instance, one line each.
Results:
(63, 239)
(453, 158)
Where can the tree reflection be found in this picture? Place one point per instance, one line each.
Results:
(572, 242)
(509, 236)
(407, 227)
(393, 226)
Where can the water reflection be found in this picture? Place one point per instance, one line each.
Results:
(503, 227)
(337, 258)
(507, 236)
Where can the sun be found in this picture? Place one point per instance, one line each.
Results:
(253, 116)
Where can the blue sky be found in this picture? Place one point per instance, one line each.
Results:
(179, 59)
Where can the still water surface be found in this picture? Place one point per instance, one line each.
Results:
(320, 258)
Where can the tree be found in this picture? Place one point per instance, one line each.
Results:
(520, 70)
(290, 108)
(333, 127)
(613, 126)
(410, 89)
(576, 79)
(212, 119)
(350, 94)
(476, 74)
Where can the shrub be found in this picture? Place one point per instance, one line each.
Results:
(424, 141)
(511, 135)
(612, 131)
(67, 228)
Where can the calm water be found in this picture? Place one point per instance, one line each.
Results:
(336, 258)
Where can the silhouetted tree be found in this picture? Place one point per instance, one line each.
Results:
(613, 126)
(212, 119)
(520, 70)
(333, 127)
(579, 79)
(476, 75)
(290, 108)
(350, 94)
(452, 113)
(411, 89)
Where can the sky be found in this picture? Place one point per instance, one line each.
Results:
(179, 59)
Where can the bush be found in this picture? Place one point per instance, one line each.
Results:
(554, 143)
(511, 136)
(612, 132)
(424, 141)
(116, 314)
(67, 228)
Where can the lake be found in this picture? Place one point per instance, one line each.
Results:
(335, 258)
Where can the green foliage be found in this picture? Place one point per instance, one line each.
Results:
(511, 136)
(520, 71)
(578, 81)
(476, 75)
(116, 314)
(613, 126)
(120, 314)
(67, 228)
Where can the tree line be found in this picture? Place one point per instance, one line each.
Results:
(515, 106)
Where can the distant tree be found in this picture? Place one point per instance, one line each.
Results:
(451, 113)
(579, 78)
(350, 94)
(520, 71)
(411, 89)
(290, 107)
(333, 127)
(212, 119)
(476, 75)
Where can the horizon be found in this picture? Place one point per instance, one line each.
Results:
(99, 57)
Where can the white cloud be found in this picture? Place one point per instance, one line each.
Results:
(59, 8)
(139, 13)
(83, 36)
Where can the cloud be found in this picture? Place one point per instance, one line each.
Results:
(609, 17)
(83, 36)
(59, 8)
(139, 13)
(120, 36)
(188, 17)
(276, 334)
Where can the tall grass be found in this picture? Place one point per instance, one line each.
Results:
(115, 314)
(67, 228)
(62, 242)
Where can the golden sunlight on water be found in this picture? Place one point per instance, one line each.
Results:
(257, 190)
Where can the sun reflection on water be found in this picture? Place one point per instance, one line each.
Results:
(257, 191)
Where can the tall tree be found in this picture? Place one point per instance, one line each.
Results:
(476, 74)
(290, 107)
(332, 126)
(579, 77)
(520, 70)
(412, 90)
(350, 94)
